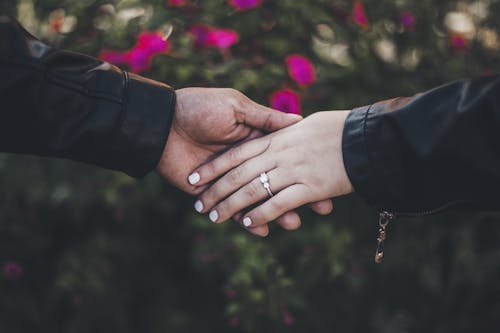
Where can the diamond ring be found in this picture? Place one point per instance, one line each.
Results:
(264, 179)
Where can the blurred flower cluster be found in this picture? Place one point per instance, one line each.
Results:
(139, 57)
(205, 36)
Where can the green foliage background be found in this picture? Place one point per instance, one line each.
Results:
(105, 253)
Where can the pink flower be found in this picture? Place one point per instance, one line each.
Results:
(12, 270)
(359, 15)
(407, 20)
(205, 36)
(148, 45)
(113, 57)
(287, 317)
(224, 38)
(202, 35)
(176, 3)
(152, 42)
(301, 69)
(458, 42)
(286, 100)
(139, 57)
(244, 4)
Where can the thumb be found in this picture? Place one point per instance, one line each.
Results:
(267, 119)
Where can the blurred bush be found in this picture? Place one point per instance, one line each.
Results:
(87, 250)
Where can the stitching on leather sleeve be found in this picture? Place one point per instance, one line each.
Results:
(365, 141)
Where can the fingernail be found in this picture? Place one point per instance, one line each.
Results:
(198, 206)
(247, 221)
(213, 215)
(194, 178)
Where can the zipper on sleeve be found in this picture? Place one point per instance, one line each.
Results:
(383, 221)
(385, 217)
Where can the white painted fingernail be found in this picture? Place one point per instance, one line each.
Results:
(247, 221)
(194, 178)
(198, 206)
(213, 215)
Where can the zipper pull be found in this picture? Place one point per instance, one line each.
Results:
(384, 219)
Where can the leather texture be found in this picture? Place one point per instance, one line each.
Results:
(437, 149)
(63, 104)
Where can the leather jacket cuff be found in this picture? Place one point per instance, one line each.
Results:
(148, 110)
(372, 163)
(356, 160)
(64, 104)
(421, 154)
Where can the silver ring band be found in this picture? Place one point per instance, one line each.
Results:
(264, 179)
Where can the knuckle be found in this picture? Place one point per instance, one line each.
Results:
(268, 122)
(239, 106)
(234, 176)
(234, 92)
(277, 207)
(208, 171)
(234, 154)
(253, 190)
(234, 97)
(238, 96)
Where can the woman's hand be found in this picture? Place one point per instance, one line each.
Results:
(303, 162)
(208, 121)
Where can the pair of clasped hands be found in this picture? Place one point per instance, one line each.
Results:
(221, 142)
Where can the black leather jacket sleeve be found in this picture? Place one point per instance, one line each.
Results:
(62, 104)
(429, 151)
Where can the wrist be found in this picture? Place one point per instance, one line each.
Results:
(344, 184)
(171, 134)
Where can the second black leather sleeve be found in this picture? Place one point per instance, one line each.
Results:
(432, 150)
(63, 104)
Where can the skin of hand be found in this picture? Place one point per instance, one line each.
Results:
(209, 121)
(304, 164)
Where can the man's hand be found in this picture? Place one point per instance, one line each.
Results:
(208, 121)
